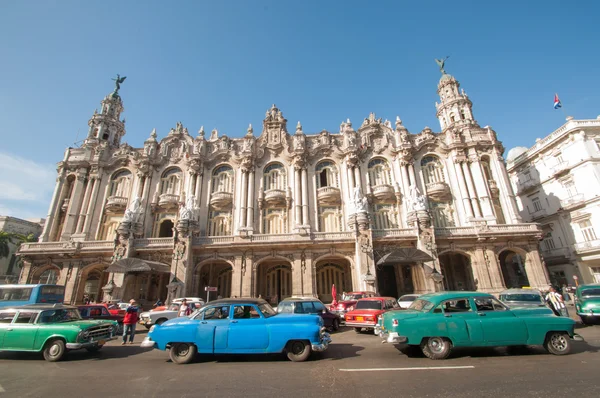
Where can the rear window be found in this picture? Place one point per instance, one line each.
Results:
(286, 307)
(421, 305)
(51, 294)
(532, 298)
(368, 305)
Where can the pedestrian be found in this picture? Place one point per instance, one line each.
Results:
(184, 308)
(557, 303)
(565, 293)
(158, 303)
(130, 321)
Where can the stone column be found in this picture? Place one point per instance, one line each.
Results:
(482, 191)
(495, 271)
(297, 200)
(243, 200)
(250, 206)
(54, 210)
(351, 182)
(418, 279)
(507, 195)
(308, 275)
(535, 270)
(304, 197)
(74, 204)
(464, 193)
(357, 179)
(297, 276)
(482, 273)
(84, 205)
(472, 193)
(91, 206)
(413, 176)
(99, 226)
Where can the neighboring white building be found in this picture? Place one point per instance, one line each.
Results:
(9, 272)
(558, 184)
(367, 208)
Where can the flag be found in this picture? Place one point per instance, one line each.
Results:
(557, 103)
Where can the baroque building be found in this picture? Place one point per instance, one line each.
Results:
(369, 207)
(15, 228)
(557, 181)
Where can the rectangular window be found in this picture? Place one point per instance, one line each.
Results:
(569, 187)
(548, 242)
(587, 230)
(537, 205)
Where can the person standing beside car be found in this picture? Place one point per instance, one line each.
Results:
(184, 308)
(130, 321)
(557, 302)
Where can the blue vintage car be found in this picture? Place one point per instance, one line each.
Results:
(239, 326)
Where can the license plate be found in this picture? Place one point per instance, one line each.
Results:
(360, 318)
(101, 342)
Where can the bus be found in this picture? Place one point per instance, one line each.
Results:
(15, 295)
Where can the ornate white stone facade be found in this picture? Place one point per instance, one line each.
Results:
(558, 185)
(369, 207)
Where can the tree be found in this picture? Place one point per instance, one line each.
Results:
(6, 238)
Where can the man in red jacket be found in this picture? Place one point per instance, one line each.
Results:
(130, 321)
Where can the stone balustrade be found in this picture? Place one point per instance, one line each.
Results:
(573, 201)
(167, 200)
(221, 200)
(329, 195)
(589, 246)
(116, 203)
(395, 232)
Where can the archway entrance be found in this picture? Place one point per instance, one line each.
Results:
(92, 286)
(274, 281)
(395, 280)
(457, 272)
(217, 274)
(329, 273)
(513, 269)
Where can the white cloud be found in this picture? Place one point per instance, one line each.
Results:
(25, 186)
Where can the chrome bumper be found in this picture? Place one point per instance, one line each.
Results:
(392, 338)
(597, 314)
(148, 343)
(322, 346)
(360, 325)
(77, 346)
(577, 337)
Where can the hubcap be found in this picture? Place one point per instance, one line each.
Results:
(54, 350)
(182, 350)
(559, 342)
(436, 345)
(297, 348)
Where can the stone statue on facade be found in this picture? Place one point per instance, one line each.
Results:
(133, 213)
(440, 63)
(188, 212)
(359, 202)
(118, 82)
(417, 202)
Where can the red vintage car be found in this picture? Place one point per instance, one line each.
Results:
(366, 311)
(348, 302)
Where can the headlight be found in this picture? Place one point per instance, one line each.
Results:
(152, 329)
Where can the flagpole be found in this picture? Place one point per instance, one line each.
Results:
(562, 108)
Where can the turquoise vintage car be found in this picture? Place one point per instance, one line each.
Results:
(239, 326)
(587, 303)
(437, 322)
(53, 329)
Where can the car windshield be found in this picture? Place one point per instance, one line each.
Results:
(60, 315)
(590, 292)
(421, 305)
(353, 296)
(286, 307)
(408, 298)
(368, 305)
(531, 298)
(267, 310)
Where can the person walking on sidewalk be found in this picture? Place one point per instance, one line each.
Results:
(130, 322)
(557, 302)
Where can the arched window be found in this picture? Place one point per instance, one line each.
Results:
(330, 219)
(462, 114)
(274, 221)
(120, 184)
(433, 171)
(379, 172)
(48, 277)
(166, 229)
(222, 179)
(441, 213)
(327, 175)
(487, 171)
(274, 177)
(219, 223)
(170, 182)
(452, 118)
(384, 216)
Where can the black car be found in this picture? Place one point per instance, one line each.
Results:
(309, 305)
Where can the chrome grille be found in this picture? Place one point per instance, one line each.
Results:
(98, 332)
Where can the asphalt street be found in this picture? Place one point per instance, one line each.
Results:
(356, 365)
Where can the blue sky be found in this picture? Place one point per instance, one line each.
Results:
(221, 64)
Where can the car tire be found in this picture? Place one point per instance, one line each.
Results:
(95, 348)
(335, 325)
(358, 330)
(160, 321)
(558, 343)
(182, 353)
(436, 347)
(298, 350)
(54, 350)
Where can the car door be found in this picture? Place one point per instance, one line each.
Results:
(248, 330)
(211, 335)
(500, 326)
(462, 323)
(21, 333)
(6, 318)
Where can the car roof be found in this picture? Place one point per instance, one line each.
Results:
(38, 307)
(238, 301)
(410, 295)
(378, 298)
(451, 295)
(589, 285)
(521, 291)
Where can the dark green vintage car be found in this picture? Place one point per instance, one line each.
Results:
(53, 329)
(587, 303)
(437, 322)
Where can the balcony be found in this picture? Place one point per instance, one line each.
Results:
(153, 243)
(560, 168)
(275, 197)
(494, 190)
(221, 200)
(573, 201)
(555, 253)
(383, 192)
(586, 247)
(115, 204)
(510, 230)
(438, 191)
(168, 201)
(329, 196)
(526, 186)
(538, 214)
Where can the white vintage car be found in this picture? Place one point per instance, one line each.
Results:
(150, 318)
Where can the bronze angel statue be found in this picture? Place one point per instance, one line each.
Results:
(440, 63)
(118, 82)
